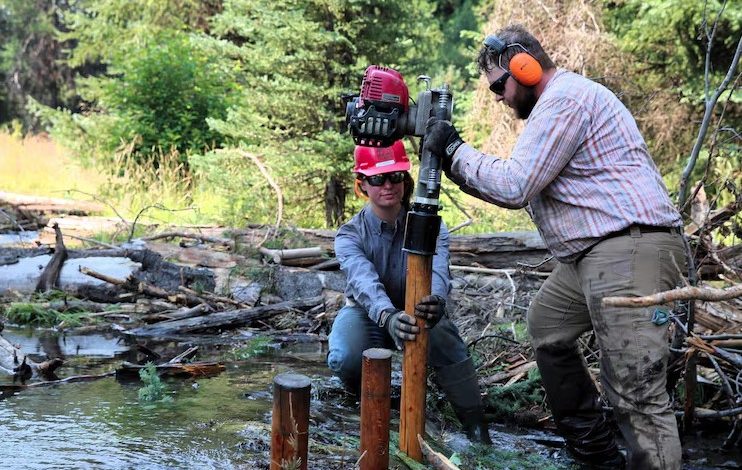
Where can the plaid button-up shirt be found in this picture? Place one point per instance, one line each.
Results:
(580, 165)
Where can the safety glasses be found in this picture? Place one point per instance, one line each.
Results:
(498, 86)
(378, 180)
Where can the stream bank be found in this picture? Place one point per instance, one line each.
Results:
(223, 421)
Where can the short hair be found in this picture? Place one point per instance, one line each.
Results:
(488, 59)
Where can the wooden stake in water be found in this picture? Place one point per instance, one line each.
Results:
(290, 423)
(376, 377)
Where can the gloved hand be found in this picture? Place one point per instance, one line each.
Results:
(442, 139)
(401, 327)
(431, 308)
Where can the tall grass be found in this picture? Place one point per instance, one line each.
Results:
(35, 165)
(165, 194)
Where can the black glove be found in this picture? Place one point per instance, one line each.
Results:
(442, 139)
(431, 308)
(401, 327)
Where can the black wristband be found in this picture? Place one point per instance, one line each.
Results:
(385, 314)
(451, 147)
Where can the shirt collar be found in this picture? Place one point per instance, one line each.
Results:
(557, 74)
(377, 225)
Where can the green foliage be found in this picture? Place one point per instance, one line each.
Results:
(288, 237)
(492, 458)
(667, 40)
(294, 58)
(265, 275)
(30, 314)
(120, 236)
(154, 389)
(158, 101)
(163, 98)
(461, 31)
(509, 399)
(481, 457)
(111, 30)
(29, 59)
(37, 314)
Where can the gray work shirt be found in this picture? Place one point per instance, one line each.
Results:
(370, 254)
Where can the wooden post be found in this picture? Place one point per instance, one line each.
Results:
(414, 364)
(290, 438)
(376, 385)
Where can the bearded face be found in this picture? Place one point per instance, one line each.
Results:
(524, 101)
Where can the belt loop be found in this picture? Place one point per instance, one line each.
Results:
(635, 231)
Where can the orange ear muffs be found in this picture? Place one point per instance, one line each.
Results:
(525, 69)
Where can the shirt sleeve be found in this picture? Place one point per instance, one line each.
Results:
(363, 283)
(550, 139)
(441, 282)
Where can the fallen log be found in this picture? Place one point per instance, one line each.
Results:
(278, 256)
(494, 250)
(131, 284)
(192, 236)
(507, 272)
(437, 460)
(14, 362)
(23, 275)
(225, 320)
(187, 312)
(49, 205)
(21, 269)
(76, 378)
(500, 250)
(211, 297)
(194, 369)
(187, 354)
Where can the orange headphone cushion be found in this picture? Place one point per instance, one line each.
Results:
(525, 69)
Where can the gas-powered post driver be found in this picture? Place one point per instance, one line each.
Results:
(380, 115)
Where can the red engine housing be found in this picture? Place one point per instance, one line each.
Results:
(384, 88)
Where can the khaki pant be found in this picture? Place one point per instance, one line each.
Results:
(634, 349)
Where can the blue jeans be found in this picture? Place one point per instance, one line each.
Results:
(353, 332)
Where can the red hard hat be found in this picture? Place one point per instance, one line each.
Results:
(374, 160)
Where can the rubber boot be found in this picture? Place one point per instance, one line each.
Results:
(575, 405)
(459, 383)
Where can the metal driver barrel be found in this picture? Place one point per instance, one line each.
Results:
(377, 117)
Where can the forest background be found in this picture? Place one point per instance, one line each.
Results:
(211, 111)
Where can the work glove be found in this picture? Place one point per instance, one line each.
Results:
(431, 308)
(401, 328)
(442, 139)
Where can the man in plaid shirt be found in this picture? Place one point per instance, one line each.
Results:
(582, 170)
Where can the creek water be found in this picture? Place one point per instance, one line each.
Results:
(18, 238)
(221, 422)
(103, 424)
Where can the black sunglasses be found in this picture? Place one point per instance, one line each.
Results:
(498, 86)
(378, 180)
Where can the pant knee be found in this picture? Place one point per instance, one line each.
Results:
(343, 365)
